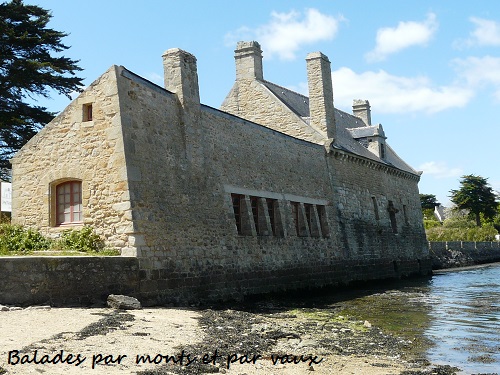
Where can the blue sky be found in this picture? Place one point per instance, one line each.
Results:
(430, 69)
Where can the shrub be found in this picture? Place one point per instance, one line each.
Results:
(462, 233)
(428, 224)
(15, 238)
(85, 240)
(459, 222)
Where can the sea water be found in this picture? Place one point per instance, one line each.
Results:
(464, 310)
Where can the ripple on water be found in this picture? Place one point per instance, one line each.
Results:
(465, 324)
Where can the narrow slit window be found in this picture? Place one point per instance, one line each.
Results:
(254, 204)
(405, 213)
(375, 208)
(271, 212)
(309, 216)
(236, 200)
(295, 215)
(392, 215)
(323, 221)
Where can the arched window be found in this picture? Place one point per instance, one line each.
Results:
(69, 203)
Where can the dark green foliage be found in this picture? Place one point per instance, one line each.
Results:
(85, 240)
(476, 196)
(29, 68)
(15, 239)
(428, 201)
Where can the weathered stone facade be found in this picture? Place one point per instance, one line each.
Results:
(274, 191)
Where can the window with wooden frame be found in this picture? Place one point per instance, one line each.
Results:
(69, 203)
(87, 112)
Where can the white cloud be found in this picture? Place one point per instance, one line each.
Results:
(394, 39)
(480, 71)
(486, 33)
(439, 169)
(286, 33)
(394, 94)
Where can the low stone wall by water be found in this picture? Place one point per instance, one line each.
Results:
(58, 280)
(66, 281)
(460, 254)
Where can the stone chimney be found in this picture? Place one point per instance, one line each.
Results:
(181, 76)
(248, 56)
(361, 109)
(321, 109)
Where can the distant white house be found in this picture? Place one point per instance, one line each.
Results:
(439, 213)
(6, 192)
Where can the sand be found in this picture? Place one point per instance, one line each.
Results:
(154, 331)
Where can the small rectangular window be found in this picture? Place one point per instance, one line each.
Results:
(87, 112)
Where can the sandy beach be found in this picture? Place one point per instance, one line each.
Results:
(107, 341)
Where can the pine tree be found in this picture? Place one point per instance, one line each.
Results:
(30, 66)
(476, 196)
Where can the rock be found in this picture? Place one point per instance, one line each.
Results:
(42, 307)
(367, 324)
(118, 301)
(4, 308)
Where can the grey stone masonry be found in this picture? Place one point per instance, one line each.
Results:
(248, 57)
(215, 204)
(319, 77)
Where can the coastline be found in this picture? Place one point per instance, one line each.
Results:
(246, 342)
(289, 335)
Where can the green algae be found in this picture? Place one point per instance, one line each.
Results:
(401, 314)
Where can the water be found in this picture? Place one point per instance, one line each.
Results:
(465, 319)
(451, 319)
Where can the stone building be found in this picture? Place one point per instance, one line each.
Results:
(273, 191)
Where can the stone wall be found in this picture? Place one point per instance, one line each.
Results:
(63, 281)
(186, 236)
(72, 148)
(461, 254)
(160, 173)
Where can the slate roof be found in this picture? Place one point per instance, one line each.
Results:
(348, 127)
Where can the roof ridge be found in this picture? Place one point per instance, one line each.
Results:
(285, 88)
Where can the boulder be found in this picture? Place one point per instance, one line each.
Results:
(118, 301)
